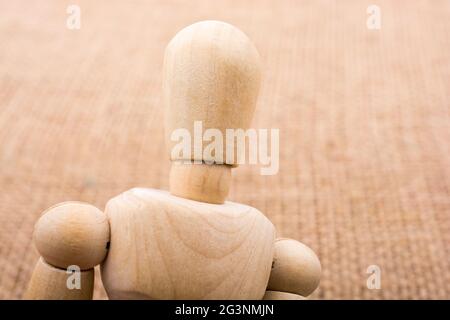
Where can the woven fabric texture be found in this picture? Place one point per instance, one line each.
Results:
(363, 117)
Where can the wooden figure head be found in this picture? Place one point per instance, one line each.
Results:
(211, 81)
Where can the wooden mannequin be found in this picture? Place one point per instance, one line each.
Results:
(188, 243)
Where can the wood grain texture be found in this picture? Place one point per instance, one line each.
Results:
(212, 74)
(50, 283)
(363, 116)
(200, 182)
(278, 295)
(72, 233)
(166, 247)
(295, 268)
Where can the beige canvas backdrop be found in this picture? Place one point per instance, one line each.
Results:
(363, 118)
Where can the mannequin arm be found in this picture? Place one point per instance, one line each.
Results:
(295, 271)
(72, 239)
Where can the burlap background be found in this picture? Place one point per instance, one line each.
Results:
(363, 118)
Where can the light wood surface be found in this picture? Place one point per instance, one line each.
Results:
(212, 74)
(296, 268)
(166, 247)
(201, 182)
(72, 233)
(278, 295)
(50, 283)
